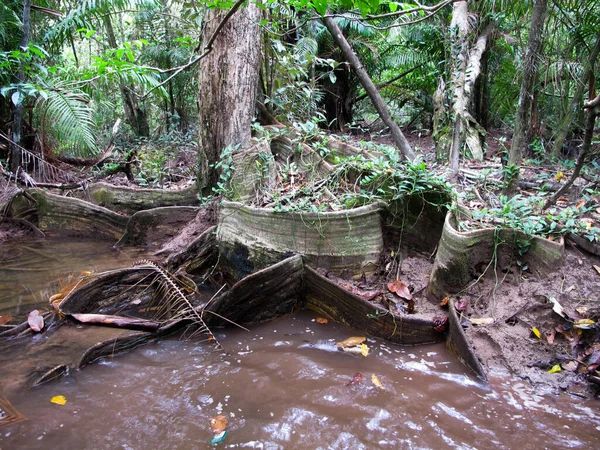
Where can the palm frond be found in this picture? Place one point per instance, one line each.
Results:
(170, 299)
(67, 115)
(9, 23)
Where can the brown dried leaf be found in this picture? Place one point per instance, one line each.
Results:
(355, 379)
(580, 204)
(218, 424)
(322, 320)
(400, 289)
(35, 321)
(570, 366)
(5, 319)
(410, 306)
(444, 301)
(550, 336)
(352, 341)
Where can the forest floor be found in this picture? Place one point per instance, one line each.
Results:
(509, 313)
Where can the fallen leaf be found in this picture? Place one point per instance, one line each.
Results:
(364, 350)
(584, 324)
(352, 341)
(482, 321)
(597, 268)
(580, 204)
(35, 321)
(355, 379)
(440, 324)
(444, 301)
(460, 305)
(536, 332)
(218, 424)
(322, 320)
(557, 307)
(367, 295)
(218, 438)
(550, 336)
(570, 366)
(58, 399)
(555, 368)
(559, 176)
(5, 319)
(400, 289)
(376, 382)
(563, 200)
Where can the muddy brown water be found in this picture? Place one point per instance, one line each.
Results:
(284, 385)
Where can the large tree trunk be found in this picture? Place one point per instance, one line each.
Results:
(565, 124)
(454, 130)
(523, 121)
(368, 85)
(19, 111)
(228, 83)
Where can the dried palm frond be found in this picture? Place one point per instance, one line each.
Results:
(8, 413)
(41, 169)
(170, 301)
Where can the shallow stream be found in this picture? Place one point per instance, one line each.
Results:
(284, 385)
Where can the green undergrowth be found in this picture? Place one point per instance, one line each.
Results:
(524, 213)
(357, 181)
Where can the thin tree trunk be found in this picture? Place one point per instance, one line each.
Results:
(368, 85)
(227, 84)
(135, 116)
(565, 124)
(592, 108)
(19, 111)
(523, 120)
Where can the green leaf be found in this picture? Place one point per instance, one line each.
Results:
(320, 6)
(17, 98)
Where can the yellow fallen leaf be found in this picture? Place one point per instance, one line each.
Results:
(559, 176)
(321, 320)
(351, 341)
(364, 350)
(555, 369)
(481, 321)
(536, 332)
(585, 324)
(580, 204)
(376, 382)
(597, 268)
(59, 399)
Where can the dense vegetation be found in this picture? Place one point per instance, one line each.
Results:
(508, 79)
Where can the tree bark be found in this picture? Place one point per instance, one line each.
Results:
(575, 101)
(19, 111)
(228, 83)
(523, 120)
(368, 85)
